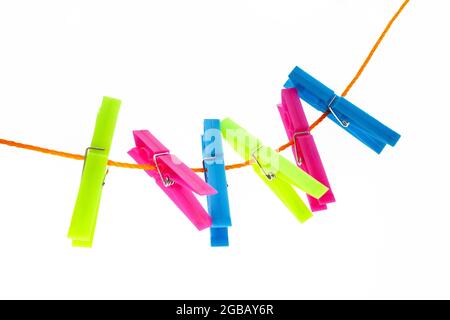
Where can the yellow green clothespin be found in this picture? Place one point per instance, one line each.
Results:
(277, 172)
(84, 218)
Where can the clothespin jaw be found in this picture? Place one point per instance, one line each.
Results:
(84, 218)
(173, 177)
(214, 165)
(276, 171)
(304, 148)
(355, 121)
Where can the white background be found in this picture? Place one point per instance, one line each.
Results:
(174, 63)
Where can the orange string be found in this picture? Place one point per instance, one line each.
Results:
(71, 155)
(365, 63)
(374, 48)
(349, 86)
(232, 166)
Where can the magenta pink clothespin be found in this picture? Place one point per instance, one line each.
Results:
(304, 148)
(173, 177)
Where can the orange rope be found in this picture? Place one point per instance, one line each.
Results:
(349, 86)
(374, 48)
(71, 155)
(365, 63)
(232, 166)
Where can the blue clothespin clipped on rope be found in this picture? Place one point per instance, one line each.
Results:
(214, 165)
(355, 121)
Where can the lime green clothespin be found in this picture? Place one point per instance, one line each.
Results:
(277, 172)
(84, 218)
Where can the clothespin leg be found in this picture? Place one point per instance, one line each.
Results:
(287, 194)
(219, 237)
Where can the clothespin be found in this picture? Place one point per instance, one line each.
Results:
(84, 218)
(214, 165)
(355, 121)
(305, 151)
(173, 177)
(277, 172)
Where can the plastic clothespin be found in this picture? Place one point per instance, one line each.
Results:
(305, 151)
(84, 218)
(214, 165)
(355, 121)
(173, 177)
(277, 172)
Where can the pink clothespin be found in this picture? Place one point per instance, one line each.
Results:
(304, 148)
(173, 177)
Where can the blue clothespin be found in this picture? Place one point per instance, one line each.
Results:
(214, 165)
(355, 121)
